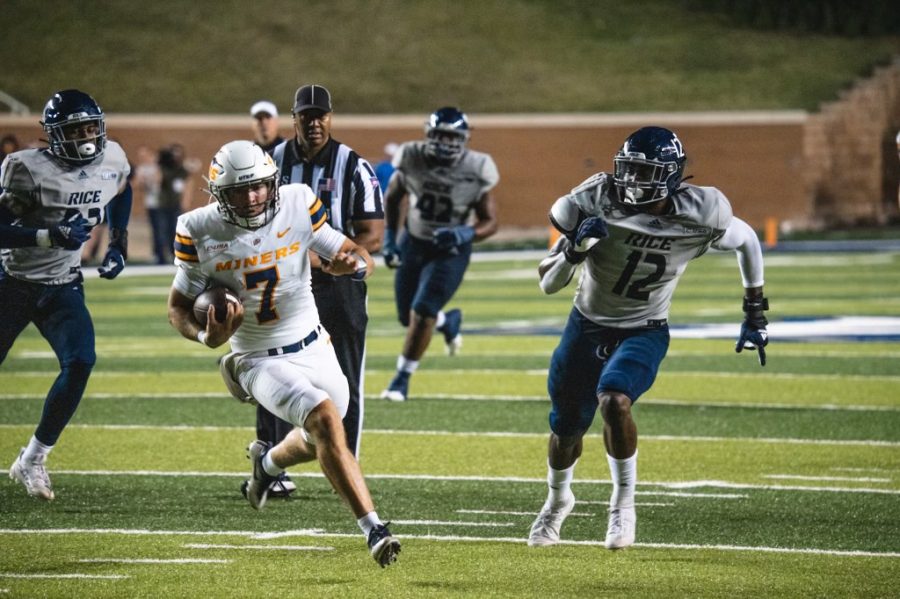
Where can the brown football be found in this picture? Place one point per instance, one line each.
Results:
(218, 297)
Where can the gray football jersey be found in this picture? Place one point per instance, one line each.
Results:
(41, 191)
(628, 278)
(442, 196)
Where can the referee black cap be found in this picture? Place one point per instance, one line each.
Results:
(312, 96)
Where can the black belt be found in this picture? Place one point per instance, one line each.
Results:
(295, 347)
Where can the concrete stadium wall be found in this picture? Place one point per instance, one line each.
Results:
(753, 157)
(834, 168)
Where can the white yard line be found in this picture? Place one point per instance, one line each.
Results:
(692, 484)
(537, 372)
(508, 513)
(510, 398)
(259, 547)
(453, 523)
(448, 538)
(176, 560)
(501, 435)
(831, 478)
(97, 576)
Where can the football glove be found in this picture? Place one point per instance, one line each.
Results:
(70, 234)
(589, 232)
(113, 263)
(753, 329)
(390, 251)
(116, 254)
(447, 238)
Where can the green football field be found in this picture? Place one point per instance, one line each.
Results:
(781, 481)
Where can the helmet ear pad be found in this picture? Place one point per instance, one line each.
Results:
(70, 109)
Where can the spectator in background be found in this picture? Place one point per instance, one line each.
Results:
(8, 145)
(147, 180)
(385, 168)
(265, 125)
(174, 174)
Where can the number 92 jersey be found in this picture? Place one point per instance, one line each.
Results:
(41, 191)
(442, 195)
(628, 278)
(268, 267)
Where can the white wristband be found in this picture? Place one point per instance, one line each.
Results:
(42, 238)
(201, 336)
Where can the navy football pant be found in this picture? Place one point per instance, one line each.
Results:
(428, 277)
(591, 358)
(60, 314)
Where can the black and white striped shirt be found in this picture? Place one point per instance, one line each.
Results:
(341, 178)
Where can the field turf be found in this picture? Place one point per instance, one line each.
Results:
(781, 481)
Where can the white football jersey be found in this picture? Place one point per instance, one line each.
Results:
(628, 278)
(439, 195)
(41, 191)
(267, 267)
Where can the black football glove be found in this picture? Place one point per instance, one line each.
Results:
(753, 329)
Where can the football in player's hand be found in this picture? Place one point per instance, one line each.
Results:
(218, 297)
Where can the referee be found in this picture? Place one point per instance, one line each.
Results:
(348, 187)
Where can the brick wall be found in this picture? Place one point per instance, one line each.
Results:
(850, 154)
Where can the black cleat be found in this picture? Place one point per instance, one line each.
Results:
(383, 546)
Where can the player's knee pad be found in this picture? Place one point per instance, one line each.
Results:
(426, 309)
(572, 420)
(78, 370)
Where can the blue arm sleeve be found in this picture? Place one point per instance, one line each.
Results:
(118, 211)
(12, 236)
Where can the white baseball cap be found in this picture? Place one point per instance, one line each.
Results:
(264, 106)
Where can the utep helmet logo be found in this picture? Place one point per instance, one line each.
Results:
(215, 169)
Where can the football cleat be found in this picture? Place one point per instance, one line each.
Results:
(383, 546)
(398, 390)
(282, 486)
(33, 475)
(260, 480)
(545, 530)
(620, 533)
(452, 325)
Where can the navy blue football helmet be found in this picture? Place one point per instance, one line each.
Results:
(447, 131)
(75, 125)
(649, 167)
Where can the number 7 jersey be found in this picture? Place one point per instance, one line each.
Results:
(628, 278)
(267, 267)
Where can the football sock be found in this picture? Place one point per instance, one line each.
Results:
(624, 478)
(368, 522)
(269, 466)
(440, 320)
(405, 365)
(559, 482)
(35, 449)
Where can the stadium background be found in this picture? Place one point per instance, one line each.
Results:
(793, 119)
